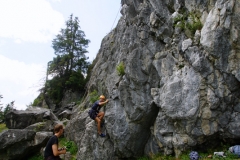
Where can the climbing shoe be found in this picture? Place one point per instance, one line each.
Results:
(102, 135)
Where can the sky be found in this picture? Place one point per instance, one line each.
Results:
(27, 28)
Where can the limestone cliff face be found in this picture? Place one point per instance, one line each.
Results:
(181, 86)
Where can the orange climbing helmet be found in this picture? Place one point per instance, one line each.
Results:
(102, 97)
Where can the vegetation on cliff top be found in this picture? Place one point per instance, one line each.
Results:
(69, 68)
(5, 110)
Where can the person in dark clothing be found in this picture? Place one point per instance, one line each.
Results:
(96, 115)
(52, 151)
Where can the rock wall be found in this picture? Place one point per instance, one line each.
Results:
(181, 84)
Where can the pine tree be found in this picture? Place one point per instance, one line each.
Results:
(70, 47)
(70, 65)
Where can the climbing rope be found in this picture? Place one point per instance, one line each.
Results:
(85, 94)
(115, 18)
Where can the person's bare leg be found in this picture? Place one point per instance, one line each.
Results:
(100, 115)
(98, 125)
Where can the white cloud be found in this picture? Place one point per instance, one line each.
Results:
(29, 20)
(56, 0)
(19, 72)
(2, 42)
(20, 81)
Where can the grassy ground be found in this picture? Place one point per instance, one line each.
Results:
(3, 127)
(203, 156)
(63, 142)
(36, 157)
(70, 145)
(186, 157)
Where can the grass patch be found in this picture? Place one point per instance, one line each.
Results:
(185, 156)
(70, 146)
(93, 96)
(36, 157)
(39, 126)
(188, 21)
(194, 24)
(3, 127)
(120, 69)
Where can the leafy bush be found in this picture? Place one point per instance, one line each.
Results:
(194, 24)
(36, 157)
(70, 145)
(4, 111)
(188, 22)
(94, 96)
(3, 127)
(39, 127)
(120, 69)
(179, 21)
(38, 101)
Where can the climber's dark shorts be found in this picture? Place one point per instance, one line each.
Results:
(92, 114)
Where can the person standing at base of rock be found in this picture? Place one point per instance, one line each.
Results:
(96, 115)
(52, 151)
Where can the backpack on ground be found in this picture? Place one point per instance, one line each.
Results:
(235, 150)
(193, 155)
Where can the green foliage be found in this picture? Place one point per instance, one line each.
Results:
(180, 66)
(94, 96)
(36, 157)
(180, 21)
(188, 22)
(75, 80)
(4, 111)
(65, 123)
(3, 127)
(70, 47)
(69, 145)
(194, 24)
(55, 88)
(204, 156)
(39, 127)
(79, 102)
(38, 101)
(70, 65)
(143, 158)
(229, 156)
(120, 69)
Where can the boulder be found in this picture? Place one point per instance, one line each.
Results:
(18, 119)
(43, 126)
(65, 114)
(21, 143)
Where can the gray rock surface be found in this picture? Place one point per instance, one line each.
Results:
(19, 119)
(21, 143)
(179, 90)
(64, 108)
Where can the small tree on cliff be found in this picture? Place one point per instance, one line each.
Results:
(70, 65)
(70, 47)
(4, 111)
(1, 112)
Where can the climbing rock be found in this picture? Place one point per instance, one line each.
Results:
(19, 119)
(21, 143)
(178, 90)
